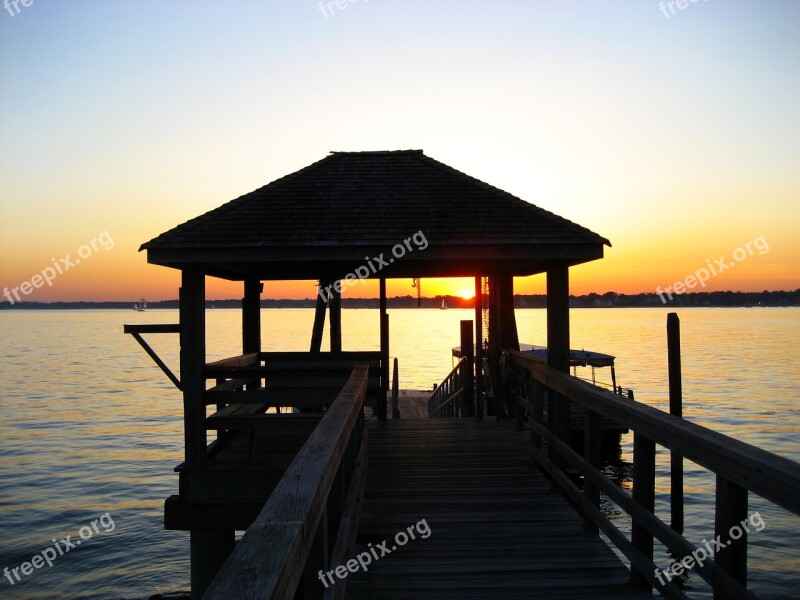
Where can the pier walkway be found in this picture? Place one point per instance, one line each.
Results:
(497, 529)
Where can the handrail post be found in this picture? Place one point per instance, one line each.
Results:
(675, 408)
(591, 452)
(538, 407)
(644, 480)
(395, 392)
(468, 351)
(384, 326)
(729, 511)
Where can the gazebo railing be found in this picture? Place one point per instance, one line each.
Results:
(445, 401)
(739, 468)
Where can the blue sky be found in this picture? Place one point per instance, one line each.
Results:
(677, 138)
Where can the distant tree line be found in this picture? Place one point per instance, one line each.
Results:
(607, 300)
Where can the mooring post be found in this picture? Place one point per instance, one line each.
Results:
(467, 351)
(675, 408)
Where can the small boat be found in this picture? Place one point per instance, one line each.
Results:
(140, 306)
(577, 358)
(444, 305)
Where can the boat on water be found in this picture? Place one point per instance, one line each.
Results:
(577, 358)
(444, 304)
(610, 431)
(140, 306)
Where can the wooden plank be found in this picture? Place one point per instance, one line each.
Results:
(222, 516)
(299, 397)
(152, 328)
(772, 477)
(268, 562)
(346, 355)
(496, 528)
(243, 360)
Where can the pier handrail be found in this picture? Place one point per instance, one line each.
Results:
(443, 400)
(288, 541)
(739, 467)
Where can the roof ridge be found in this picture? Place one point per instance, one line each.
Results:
(377, 152)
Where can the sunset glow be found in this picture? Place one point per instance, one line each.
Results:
(668, 136)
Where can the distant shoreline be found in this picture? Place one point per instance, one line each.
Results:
(607, 300)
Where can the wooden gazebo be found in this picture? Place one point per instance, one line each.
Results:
(322, 223)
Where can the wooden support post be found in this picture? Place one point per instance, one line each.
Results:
(507, 329)
(558, 406)
(644, 481)
(395, 391)
(192, 311)
(507, 320)
(384, 333)
(467, 350)
(208, 551)
(319, 316)
(675, 408)
(478, 350)
(251, 316)
(592, 448)
(558, 317)
(335, 306)
(730, 511)
(310, 587)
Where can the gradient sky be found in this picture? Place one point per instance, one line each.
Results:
(677, 137)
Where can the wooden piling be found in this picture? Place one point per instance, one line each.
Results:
(675, 408)
(558, 406)
(468, 401)
(193, 353)
(319, 316)
(477, 364)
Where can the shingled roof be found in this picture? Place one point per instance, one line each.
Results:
(324, 220)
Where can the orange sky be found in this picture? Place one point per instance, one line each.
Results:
(668, 136)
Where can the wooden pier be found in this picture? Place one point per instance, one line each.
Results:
(497, 527)
(279, 444)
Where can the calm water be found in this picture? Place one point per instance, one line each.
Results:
(90, 426)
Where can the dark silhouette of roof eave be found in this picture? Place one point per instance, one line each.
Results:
(359, 200)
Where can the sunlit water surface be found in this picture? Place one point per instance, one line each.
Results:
(89, 425)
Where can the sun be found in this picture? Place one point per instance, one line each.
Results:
(467, 294)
